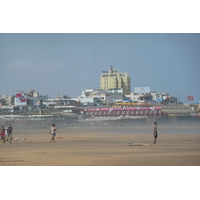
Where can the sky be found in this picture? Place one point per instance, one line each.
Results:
(68, 63)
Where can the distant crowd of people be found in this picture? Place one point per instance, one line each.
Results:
(115, 124)
(6, 133)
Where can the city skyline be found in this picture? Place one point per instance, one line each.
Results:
(67, 64)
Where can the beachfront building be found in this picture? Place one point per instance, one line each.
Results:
(30, 100)
(99, 96)
(164, 98)
(112, 79)
(152, 97)
(59, 102)
(6, 99)
(140, 98)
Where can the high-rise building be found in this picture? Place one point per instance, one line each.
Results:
(112, 79)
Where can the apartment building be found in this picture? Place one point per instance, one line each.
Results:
(113, 79)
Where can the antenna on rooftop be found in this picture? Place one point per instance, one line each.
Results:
(111, 68)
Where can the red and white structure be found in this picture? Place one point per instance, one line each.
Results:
(148, 112)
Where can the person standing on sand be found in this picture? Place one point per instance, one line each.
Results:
(53, 132)
(3, 135)
(155, 133)
(9, 132)
(6, 132)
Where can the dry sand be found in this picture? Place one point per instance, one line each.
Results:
(95, 147)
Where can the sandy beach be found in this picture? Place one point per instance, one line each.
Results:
(103, 147)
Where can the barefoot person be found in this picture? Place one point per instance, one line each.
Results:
(53, 132)
(9, 131)
(155, 133)
(3, 135)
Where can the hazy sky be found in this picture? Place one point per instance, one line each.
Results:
(69, 63)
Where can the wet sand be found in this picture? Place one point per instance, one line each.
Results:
(102, 147)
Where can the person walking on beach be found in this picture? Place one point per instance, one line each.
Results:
(6, 132)
(155, 133)
(53, 132)
(3, 135)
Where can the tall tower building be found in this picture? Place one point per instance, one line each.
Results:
(112, 79)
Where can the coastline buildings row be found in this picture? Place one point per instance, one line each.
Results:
(115, 88)
(90, 97)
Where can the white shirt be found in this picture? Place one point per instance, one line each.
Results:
(6, 130)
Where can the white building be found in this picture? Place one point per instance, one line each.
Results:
(60, 102)
(98, 95)
(151, 97)
(7, 99)
(141, 98)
